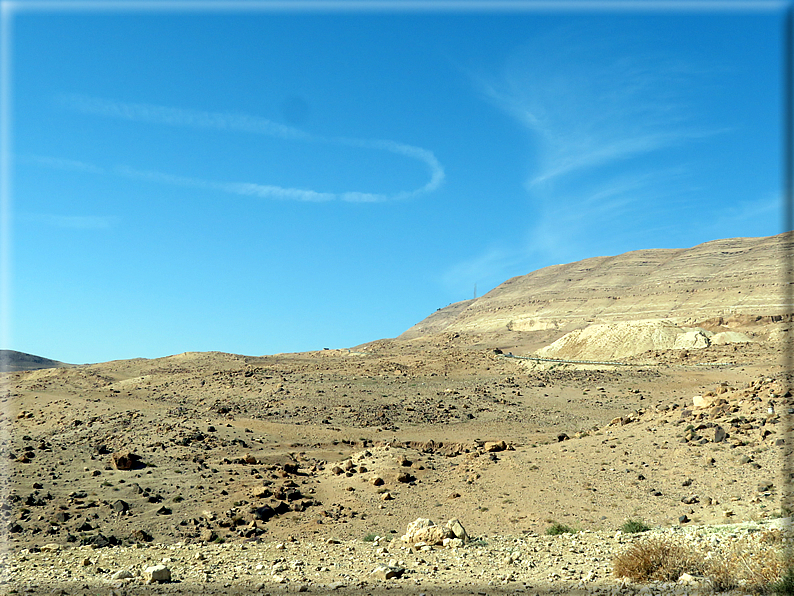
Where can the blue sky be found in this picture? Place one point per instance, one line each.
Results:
(269, 181)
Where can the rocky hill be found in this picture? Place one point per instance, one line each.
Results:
(300, 472)
(722, 278)
(11, 360)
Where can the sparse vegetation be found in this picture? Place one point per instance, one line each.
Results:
(634, 526)
(657, 559)
(752, 565)
(555, 529)
(785, 585)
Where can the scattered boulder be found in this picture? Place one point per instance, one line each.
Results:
(157, 574)
(125, 460)
(387, 572)
(426, 531)
(494, 446)
(405, 477)
(120, 507)
(457, 529)
(701, 401)
(141, 536)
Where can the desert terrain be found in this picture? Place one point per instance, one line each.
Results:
(649, 386)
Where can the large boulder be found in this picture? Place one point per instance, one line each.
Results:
(425, 531)
(458, 530)
(157, 574)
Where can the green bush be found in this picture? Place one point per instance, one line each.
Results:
(556, 529)
(634, 526)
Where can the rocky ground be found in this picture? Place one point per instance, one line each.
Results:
(240, 470)
(493, 564)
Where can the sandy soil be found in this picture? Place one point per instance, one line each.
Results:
(119, 465)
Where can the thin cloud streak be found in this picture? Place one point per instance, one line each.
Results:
(72, 222)
(239, 188)
(592, 104)
(596, 109)
(154, 114)
(139, 112)
(58, 163)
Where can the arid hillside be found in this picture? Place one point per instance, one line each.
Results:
(475, 414)
(722, 278)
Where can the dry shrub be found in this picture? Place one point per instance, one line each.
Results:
(752, 565)
(657, 559)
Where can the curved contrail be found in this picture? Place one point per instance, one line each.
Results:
(138, 112)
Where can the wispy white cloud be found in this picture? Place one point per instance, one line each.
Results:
(59, 163)
(154, 114)
(592, 98)
(601, 115)
(169, 116)
(579, 224)
(238, 188)
(73, 222)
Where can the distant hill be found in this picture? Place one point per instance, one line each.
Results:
(11, 361)
(723, 278)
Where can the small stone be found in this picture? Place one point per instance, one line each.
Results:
(452, 543)
(405, 477)
(121, 574)
(120, 506)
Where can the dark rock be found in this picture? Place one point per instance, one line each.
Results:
(125, 460)
(141, 536)
(100, 541)
(120, 506)
(405, 477)
(263, 513)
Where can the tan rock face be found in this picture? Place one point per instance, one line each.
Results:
(720, 278)
(425, 531)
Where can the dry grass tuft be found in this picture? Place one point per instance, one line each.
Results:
(754, 565)
(657, 559)
(750, 565)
